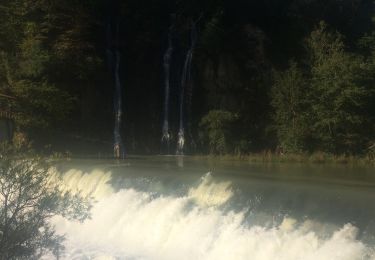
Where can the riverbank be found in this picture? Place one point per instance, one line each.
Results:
(313, 158)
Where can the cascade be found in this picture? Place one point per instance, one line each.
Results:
(167, 64)
(186, 87)
(138, 223)
(114, 59)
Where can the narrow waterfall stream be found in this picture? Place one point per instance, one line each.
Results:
(114, 61)
(166, 138)
(185, 81)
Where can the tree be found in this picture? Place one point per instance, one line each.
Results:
(25, 59)
(29, 198)
(338, 94)
(215, 129)
(289, 100)
(327, 107)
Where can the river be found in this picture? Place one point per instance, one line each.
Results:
(168, 207)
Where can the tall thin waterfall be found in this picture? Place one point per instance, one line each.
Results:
(186, 80)
(114, 59)
(167, 66)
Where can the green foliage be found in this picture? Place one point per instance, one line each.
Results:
(326, 107)
(216, 126)
(288, 98)
(30, 196)
(33, 57)
(339, 93)
(52, 60)
(24, 66)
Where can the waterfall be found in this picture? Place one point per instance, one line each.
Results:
(186, 85)
(167, 64)
(131, 223)
(114, 59)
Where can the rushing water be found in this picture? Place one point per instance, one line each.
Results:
(182, 208)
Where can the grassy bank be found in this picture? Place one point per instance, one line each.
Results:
(313, 158)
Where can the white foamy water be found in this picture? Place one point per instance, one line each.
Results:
(133, 224)
(209, 193)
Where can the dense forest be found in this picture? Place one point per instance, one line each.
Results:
(283, 75)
